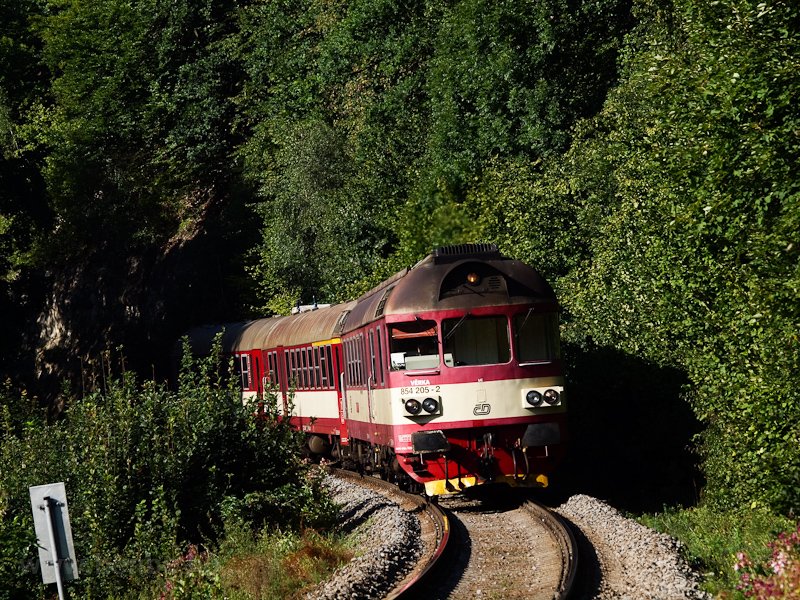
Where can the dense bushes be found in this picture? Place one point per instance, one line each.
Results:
(692, 256)
(147, 471)
(371, 120)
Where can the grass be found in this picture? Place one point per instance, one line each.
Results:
(712, 539)
(269, 565)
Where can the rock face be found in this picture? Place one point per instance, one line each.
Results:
(126, 305)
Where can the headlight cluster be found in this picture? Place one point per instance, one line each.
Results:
(536, 398)
(415, 407)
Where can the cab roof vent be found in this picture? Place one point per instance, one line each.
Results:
(457, 252)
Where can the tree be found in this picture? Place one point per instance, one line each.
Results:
(691, 252)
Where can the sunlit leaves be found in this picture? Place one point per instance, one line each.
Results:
(691, 259)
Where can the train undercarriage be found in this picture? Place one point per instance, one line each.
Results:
(449, 464)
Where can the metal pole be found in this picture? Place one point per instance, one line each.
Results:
(53, 548)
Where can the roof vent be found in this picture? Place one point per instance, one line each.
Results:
(340, 322)
(382, 302)
(457, 252)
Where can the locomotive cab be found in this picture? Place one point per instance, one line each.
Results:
(474, 388)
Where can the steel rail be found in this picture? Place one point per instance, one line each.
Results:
(436, 516)
(566, 542)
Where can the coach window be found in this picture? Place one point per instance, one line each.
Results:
(373, 373)
(380, 354)
(270, 369)
(476, 341)
(360, 359)
(348, 361)
(346, 348)
(323, 368)
(414, 345)
(536, 337)
(329, 362)
(313, 380)
(244, 370)
(309, 368)
(301, 372)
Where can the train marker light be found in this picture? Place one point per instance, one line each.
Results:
(534, 398)
(413, 406)
(551, 397)
(430, 405)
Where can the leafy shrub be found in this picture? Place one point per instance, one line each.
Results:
(191, 576)
(149, 470)
(276, 564)
(686, 203)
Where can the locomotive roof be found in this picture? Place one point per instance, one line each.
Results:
(439, 282)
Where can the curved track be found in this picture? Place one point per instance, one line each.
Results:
(566, 543)
(503, 547)
(434, 525)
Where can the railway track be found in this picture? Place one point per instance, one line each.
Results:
(499, 547)
(434, 530)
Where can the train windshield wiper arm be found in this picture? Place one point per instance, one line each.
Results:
(456, 326)
(525, 320)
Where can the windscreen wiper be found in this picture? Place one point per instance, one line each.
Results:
(456, 326)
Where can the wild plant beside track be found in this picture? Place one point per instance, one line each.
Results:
(150, 473)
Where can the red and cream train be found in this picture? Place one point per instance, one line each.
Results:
(446, 375)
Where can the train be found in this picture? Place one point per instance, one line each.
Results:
(445, 376)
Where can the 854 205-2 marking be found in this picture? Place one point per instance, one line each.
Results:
(433, 389)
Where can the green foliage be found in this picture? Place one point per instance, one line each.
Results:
(248, 565)
(372, 119)
(691, 236)
(127, 77)
(148, 470)
(21, 203)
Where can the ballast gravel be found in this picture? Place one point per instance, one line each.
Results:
(630, 561)
(635, 562)
(386, 541)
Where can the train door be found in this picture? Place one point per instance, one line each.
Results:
(336, 361)
(282, 362)
(369, 370)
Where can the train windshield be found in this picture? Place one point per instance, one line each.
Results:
(414, 345)
(472, 340)
(536, 336)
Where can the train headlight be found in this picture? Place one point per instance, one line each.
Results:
(534, 398)
(551, 397)
(473, 279)
(413, 406)
(431, 405)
